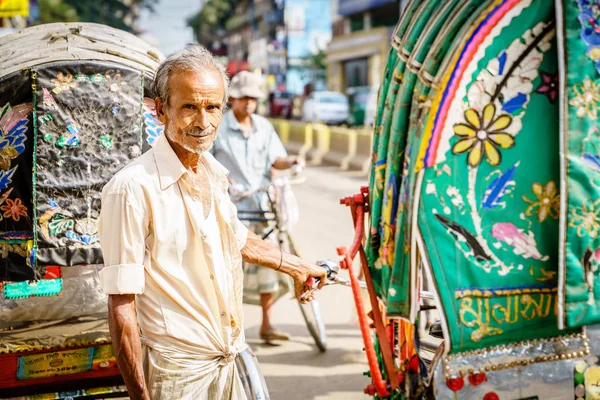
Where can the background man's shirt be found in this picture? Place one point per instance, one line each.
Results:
(248, 159)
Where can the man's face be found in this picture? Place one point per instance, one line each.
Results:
(195, 109)
(244, 107)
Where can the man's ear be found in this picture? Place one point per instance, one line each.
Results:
(161, 110)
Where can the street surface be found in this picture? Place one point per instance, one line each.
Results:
(296, 370)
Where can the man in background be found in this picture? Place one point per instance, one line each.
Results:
(248, 146)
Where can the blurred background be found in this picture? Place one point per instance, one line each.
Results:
(319, 59)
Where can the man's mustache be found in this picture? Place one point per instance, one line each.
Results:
(197, 132)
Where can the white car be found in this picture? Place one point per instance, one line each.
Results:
(327, 107)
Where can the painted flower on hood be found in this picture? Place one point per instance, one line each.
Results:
(587, 96)
(549, 86)
(547, 202)
(482, 135)
(14, 209)
(586, 219)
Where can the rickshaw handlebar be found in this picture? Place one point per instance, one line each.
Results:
(332, 268)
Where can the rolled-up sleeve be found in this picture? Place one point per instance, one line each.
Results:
(123, 230)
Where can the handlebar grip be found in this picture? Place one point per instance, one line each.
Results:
(311, 281)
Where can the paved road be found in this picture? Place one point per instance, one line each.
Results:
(296, 370)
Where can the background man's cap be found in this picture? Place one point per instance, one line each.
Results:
(245, 84)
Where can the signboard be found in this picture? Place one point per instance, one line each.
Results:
(349, 7)
(295, 20)
(65, 362)
(258, 55)
(13, 8)
(51, 364)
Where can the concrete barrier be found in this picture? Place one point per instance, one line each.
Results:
(321, 143)
(342, 147)
(300, 138)
(348, 148)
(364, 149)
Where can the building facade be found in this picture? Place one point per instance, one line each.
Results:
(361, 40)
(279, 38)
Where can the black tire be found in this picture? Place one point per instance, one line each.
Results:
(310, 312)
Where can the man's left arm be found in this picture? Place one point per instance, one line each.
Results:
(258, 252)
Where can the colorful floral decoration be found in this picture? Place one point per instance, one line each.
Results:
(57, 221)
(482, 134)
(154, 128)
(106, 141)
(477, 379)
(586, 98)
(85, 135)
(14, 209)
(523, 244)
(63, 83)
(590, 263)
(455, 384)
(589, 18)
(547, 202)
(113, 83)
(548, 86)
(48, 101)
(13, 129)
(499, 187)
(586, 219)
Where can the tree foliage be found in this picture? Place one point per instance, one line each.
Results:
(120, 14)
(56, 11)
(212, 16)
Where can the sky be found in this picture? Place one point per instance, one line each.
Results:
(166, 28)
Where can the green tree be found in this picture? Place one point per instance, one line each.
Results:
(212, 16)
(120, 14)
(56, 11)
(317, 61)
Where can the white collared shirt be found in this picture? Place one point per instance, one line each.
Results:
(157, 244)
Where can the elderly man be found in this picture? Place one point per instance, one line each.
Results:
(249, 148)
(173, 248)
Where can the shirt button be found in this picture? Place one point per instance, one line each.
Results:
(196, 198)
(223, 314)
(212, 276)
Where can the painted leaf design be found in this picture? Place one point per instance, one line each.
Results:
(497, 189)
(6, 178)
(515, 104)
(510, 76)
(592, 161)
(153, 126)
(60, 224)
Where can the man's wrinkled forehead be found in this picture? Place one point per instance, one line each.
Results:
(196, 86)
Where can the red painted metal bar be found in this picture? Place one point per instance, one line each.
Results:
(357, 204)
(379, 321)
(379, 383)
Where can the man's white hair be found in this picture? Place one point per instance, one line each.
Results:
(193, 57)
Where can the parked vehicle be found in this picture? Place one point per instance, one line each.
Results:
(281, 104)
(363, 104)
(327, 107)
